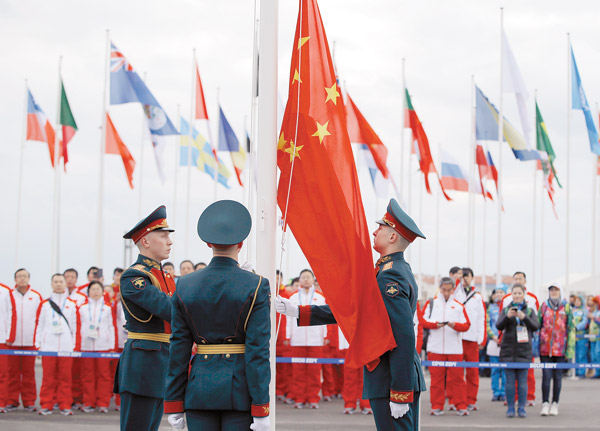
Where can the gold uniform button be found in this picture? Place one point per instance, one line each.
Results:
(203, 341)
(205, 356)
(228, 356)
(229, 340)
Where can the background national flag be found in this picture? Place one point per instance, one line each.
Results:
(200, 113)
(67, 121)
(333, 235)
(114, 145)
(547, 155)
(453, 175)
(38, 125)
(579, 101)
(202, 155)
(229, 142)
(485, 170)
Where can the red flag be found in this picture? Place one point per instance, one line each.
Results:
(114, 145)
(325, 210)
(421, 145)
(485, 171)
(361, 132)
(201, 112)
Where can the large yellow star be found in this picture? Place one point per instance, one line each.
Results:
(281, 143)
(321, 131)
(302, 41)
(296, 77)
(294, 151)
(332, 94)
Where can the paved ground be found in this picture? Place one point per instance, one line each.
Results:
(578, 410)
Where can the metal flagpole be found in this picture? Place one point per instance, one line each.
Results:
(568, 222)
(99, 232)
(266, 215)
(542, 239)
(189, 161)
(437, 232)
(594, 209)
(500, 143)
(534, 280)
(421, 192)
(215, 146)
(141, 170)
(177, 150)
(56, 198)
(483, 240)
(470, 221)
(409, 183)
(20, 186)
(402, 130)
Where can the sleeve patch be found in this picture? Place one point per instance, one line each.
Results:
(139, 283)
(392, 289)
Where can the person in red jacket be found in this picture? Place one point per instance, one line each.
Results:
(21, 369)
(7, 335)
(283, 371)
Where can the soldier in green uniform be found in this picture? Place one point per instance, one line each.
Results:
(394, 386)
(146, 298)
(224, 310)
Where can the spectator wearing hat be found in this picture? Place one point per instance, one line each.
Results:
(518, 323)
(557, 344)
(493, 347)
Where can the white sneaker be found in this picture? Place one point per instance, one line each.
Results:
(545, 409)
(103, 409)
(314, 405)
(367, 411)
(44, 412)
(554, 409)
(348, 411)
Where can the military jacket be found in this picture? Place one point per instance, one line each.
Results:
(146, 299)
(221, 307)
(398, 374)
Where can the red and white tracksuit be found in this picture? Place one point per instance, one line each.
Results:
(473, 338)
(445, 344)
(353, 380)
(53, 334)
(533, 303)
(76, 387)
(7, 335)
(332, 374)
(283, 371)
(306, 342)
(21, 369)
(97, 334)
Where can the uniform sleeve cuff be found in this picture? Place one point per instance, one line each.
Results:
(304, 315)
(260, 411)
(174, 407)
(401, 396)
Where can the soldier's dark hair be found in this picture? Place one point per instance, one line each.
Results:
(522, 273)
(92, 269)
(454, 270)
(71, 270)
(184, 261)
(295, 280)
(467, 271)
(446, 280)
(119, 270)
(306, 270)
(58, 274)
(21, 269)
(92, 283)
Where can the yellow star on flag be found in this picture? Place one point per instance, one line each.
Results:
(321, 131)
(296, 77)
(302, 41)
(294, 151)
(332, 94)
(281, 143)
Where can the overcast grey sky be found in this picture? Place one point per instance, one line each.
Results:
(444, 43)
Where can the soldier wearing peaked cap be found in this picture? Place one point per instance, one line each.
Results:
(225, 311)
(146, 298)
(394, 385)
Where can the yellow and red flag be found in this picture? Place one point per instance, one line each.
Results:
(319, 193)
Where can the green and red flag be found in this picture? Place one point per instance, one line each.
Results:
(420, 145)
(319, 194)
(67, 121)
(547, 156)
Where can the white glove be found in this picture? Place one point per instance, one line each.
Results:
(287, 307)
(398, 410)
(177, 421)
(261, 424)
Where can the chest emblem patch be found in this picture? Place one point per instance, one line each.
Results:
(139, 283)
(391, 289)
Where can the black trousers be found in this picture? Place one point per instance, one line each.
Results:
(218, 420)
(139, 413)
(550, 375)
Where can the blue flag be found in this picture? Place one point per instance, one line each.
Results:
(579, 101)
(229, 142)
(126, 86)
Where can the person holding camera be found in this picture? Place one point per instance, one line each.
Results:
(518, 323)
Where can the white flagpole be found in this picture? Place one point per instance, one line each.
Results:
(99, 232)
(568, 221)
(470, 221)
(56, 198)
(420, 280)
(215, 146)
(500, 143)
(483, 240)
(189, 160)
(402, 130)
(534, 285)
(437, 231)
(177, 150)
(20, 186)
(141, 170)
(594, 212)
(266, 215)
(409, 183)
(250, 243)
(542, 239)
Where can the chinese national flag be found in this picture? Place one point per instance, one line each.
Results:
(201, 112)
(114, 145)
(322, 197)
(361, 132)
